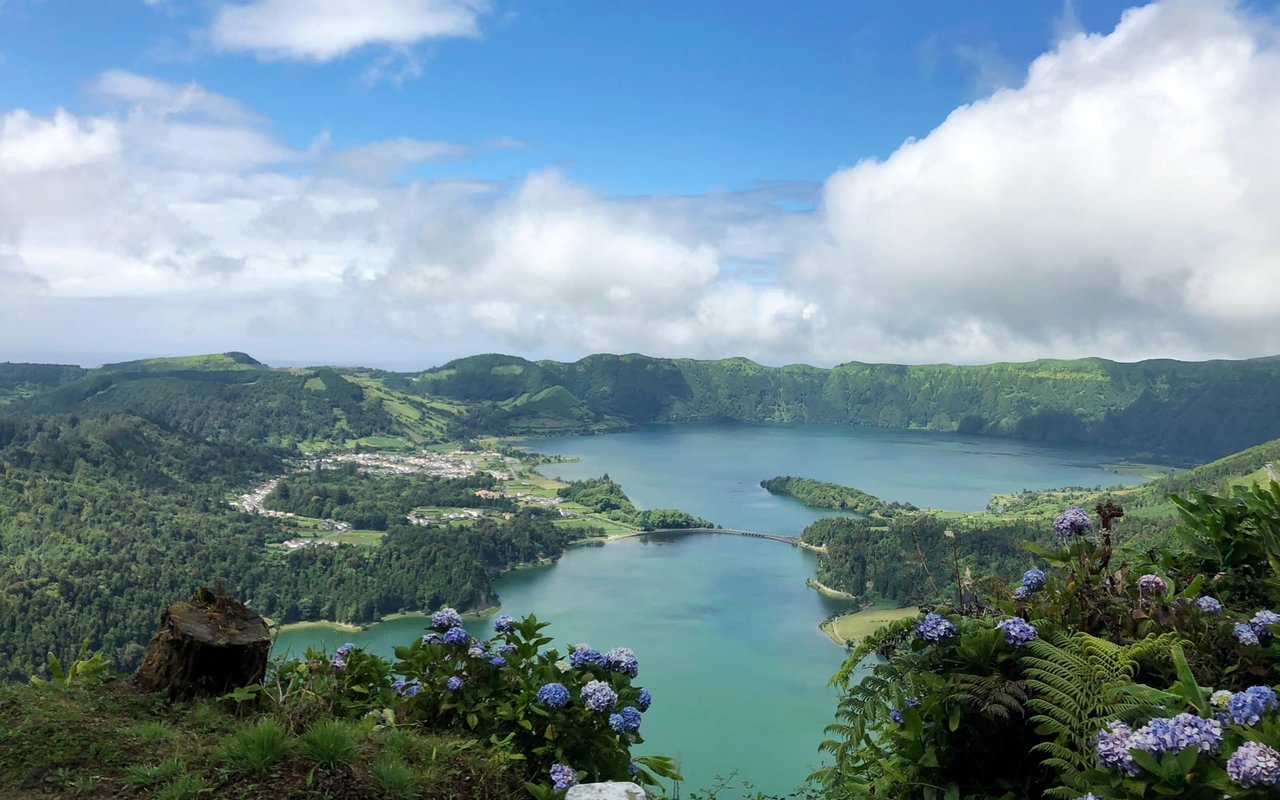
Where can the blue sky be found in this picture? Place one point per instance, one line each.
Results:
(398, 182)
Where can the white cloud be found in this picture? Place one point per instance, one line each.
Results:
(322, 30)
(32, 144)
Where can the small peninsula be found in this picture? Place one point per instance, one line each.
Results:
(820, 494)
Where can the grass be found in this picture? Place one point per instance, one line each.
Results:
(101, 742)
(849, 628)
(365, 538)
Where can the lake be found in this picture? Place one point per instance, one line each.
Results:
(724, 627)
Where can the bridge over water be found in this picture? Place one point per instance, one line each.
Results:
(777, 537)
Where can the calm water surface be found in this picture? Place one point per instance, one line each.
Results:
(724, 627)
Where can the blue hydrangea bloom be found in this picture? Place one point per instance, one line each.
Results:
(497, 661)
(554, 695)
(621, 659)
(896, 716)
(1113, 749)
(338, 663)
(397, 685)
(456, 636)
(644, 700)
(1072, 522)
(598, 696)
(349, 646)
(935, 627)
(1245, 634)
(453, 684)
(446, 618)
(625, 721)
(1254, 764)
(1208, 605)
(1033, 579)
(503, 624)
(1021, 593)
(411, 689)
(1263, 620)
(432, 638)
(563, 777)
(1017, 631)
(405, 688)
(586, 655)
(911, 702)
(507, 648)
(475, 651)
(1162, 735)
(1247, 707)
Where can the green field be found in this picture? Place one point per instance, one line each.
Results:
(363, 538)
(849, 628)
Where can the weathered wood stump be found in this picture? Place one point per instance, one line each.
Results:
(208, 645)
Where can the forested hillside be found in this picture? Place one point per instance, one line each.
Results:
(104, 520)
(1169, 409)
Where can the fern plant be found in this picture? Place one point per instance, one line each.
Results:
(1079, 683)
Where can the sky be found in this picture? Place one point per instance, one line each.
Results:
(396, 183)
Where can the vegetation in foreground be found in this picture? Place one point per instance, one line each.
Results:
(1091, 678)
(452, 717)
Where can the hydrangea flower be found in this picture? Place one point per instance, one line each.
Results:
(597, 696)
(456, 636)
(554, 695)
(563, 777)
(1245, 634)
(454, 683)
(475, 651)
(625, 721)
(1089, 796)
(349, 646)
(586, 655)
(563, 665)
(1017, 631)
(1208, 605)
(503, 623)
(445, 619)
(621, 659)
(1162, 735)
(1021, 593)
(1033, 579)
(1072, 522)
(1263, 620)
(1254, 764)
(935, 628)
(896, 716)
(1152, 584)
(507, 648)
(1113, 749)
(338, 664)
(1220, 698)
(644, 700)
(497, 661)
(432, 638)
(1247, 707)
(406, 688)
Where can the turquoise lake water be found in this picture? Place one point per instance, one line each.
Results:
(724, 627)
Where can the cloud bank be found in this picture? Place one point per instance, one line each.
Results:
(1118, 201)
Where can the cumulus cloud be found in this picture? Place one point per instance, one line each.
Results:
(1118, 201)
(322, 30)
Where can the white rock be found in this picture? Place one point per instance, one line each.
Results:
(606, 791)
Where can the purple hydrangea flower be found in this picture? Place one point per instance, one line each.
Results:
(454, 683)
(432, 638)
(896, 716)
(349, 646)
(586, 655)
(1254, 764)
(1021, 593)
(1245, 634)
(503, 624)
(1033, 579)
(445, 619)
(644, 700)
(911, 702)
(1113, 749)
(563, 777)
(1263, 620)
(621, 659)
(625, 721)
(597, 696)
(475, 651)
(406, 688)
(456, 636)
(1017, 631)
(1072, 522)
(1162, 735)
(1208, 605)
(935, 628)
(338, 664)
(497, 661)
(507, 648)
(1152, 584)
(1247, 707)
(554, 695)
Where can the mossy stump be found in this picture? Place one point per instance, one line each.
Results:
(208, 645)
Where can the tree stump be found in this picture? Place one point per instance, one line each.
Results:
(208, 645)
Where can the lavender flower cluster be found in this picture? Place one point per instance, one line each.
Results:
(598, 696)
(1113, 749)
(1017, 631)
(1033, 579)
(339, 662)
(1247, 707)
(563, 777)
(1072, 522)
(503, 624)
(1252, 632)
(935, 628)
(1254, 764)
(586, 655)
(625, 721)
(1173, 735)
(456, 636)
(622, 660)
(644, 700)
(446, 618)
(1152, 584)
(405, 688)
(1209, 605)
